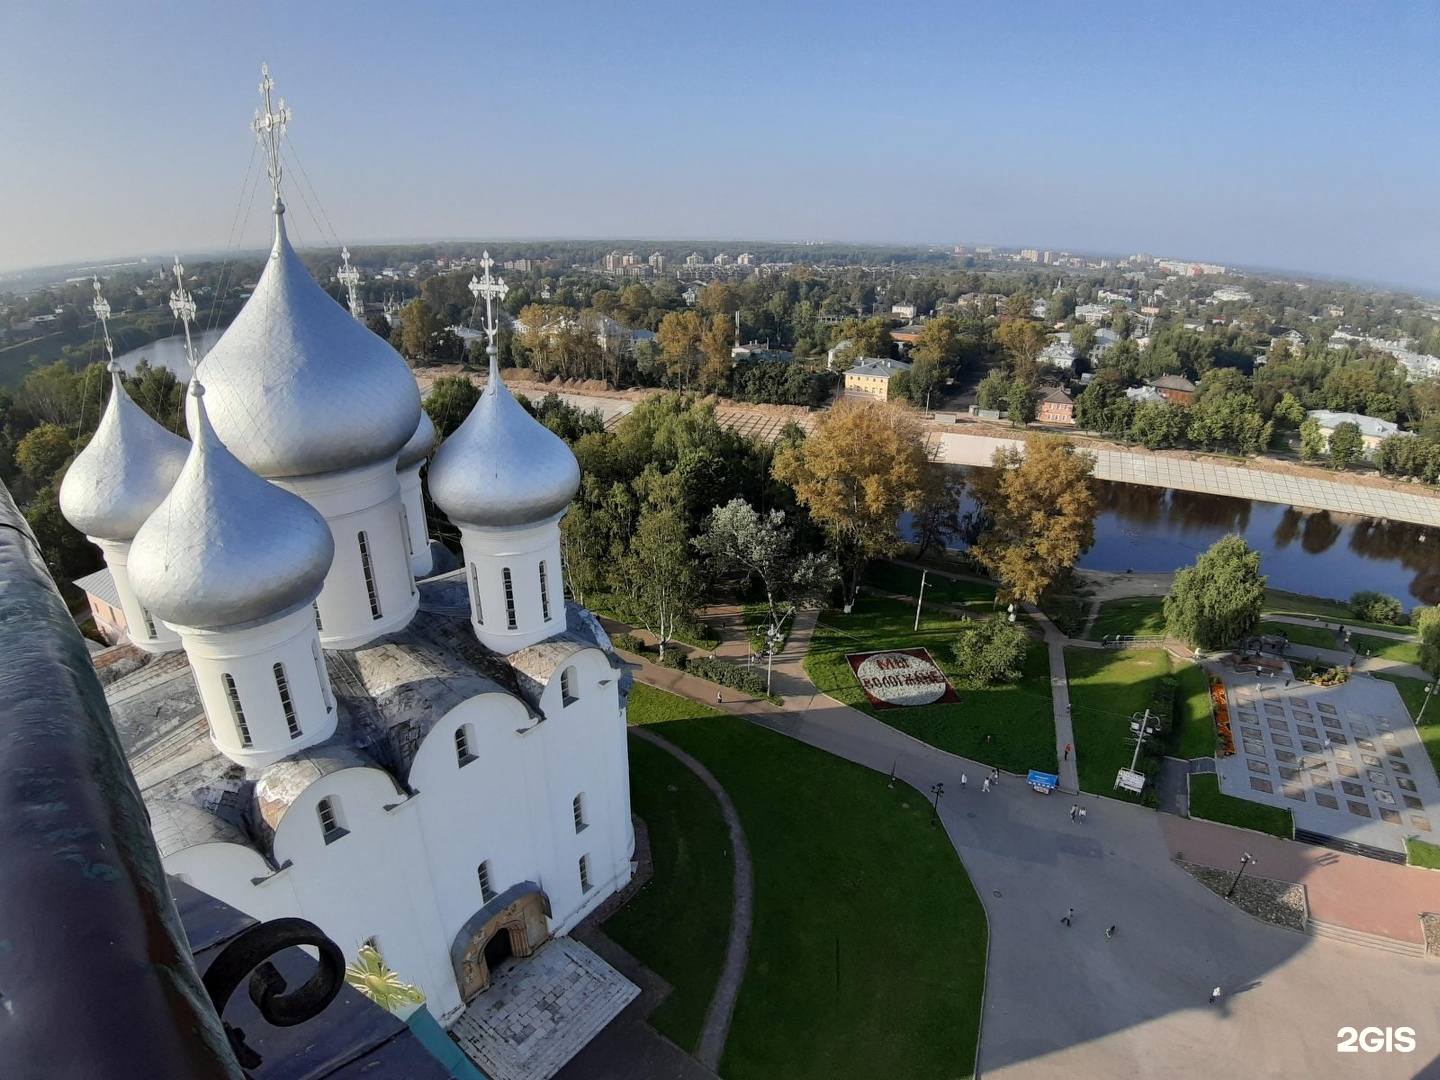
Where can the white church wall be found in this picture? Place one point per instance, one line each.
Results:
(228, 872)
(138, 621)
(488, 553)
(372, 881)
(365, 501)
(418, 543)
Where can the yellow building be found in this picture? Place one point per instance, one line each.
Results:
(872, 377)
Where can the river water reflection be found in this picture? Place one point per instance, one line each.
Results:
(1318, 553)
(169, 352)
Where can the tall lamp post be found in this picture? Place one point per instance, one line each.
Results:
(1245, 860)
(1431, 689)
(937, 790)
(920, 598)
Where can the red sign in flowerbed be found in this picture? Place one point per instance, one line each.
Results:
(901, 678)
(1222, 718)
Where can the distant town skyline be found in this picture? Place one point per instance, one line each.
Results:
(1293, 137)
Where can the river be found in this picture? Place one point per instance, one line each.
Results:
(1317, 553)
(169, 352)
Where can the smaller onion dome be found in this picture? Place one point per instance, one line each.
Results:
(124, 473)
(502, 467)
(226, 547)
(421, 443)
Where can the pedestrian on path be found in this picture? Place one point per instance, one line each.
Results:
(985, 786)
(1073, 811)
(1111, 931)
(994, 776)
(1082, 815)
(1069, 917)
(719, 697)
(1214, 995)
(1067, 753)
(963, 781)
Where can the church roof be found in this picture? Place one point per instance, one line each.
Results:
(226, 547)
(298, 387)
(389, 694)
(124, 472)
(420, 445)
(502, 467)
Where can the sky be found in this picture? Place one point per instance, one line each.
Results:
(1300, 136)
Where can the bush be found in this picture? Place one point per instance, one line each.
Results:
(1376, 607)
(628, 643)
(990, 652)
(675, 657)
(746, 680)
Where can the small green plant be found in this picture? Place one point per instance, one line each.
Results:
(1376, 607)
(746, 680)
(628, 643)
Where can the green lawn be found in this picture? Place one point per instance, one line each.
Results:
(1106, 689)
(867, 955)
(1194, 719)
(1422, 853)
(1412, 691)
(1019, 718)
(1278, 602)
(1406, 652)
(939, 589)
(1315, 636)
(674, 922)
(1209, 802)
(1142, 616)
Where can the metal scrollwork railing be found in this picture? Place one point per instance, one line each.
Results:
(249, 954)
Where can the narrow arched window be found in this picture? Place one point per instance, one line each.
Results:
(287, 705)
(319, 623)
(509, 598)
(232, 694)
(585, 885)
(569, 691)
(475, 595)
(323, 676)
(149, 621)
(369, 571)
(405, 528)
(487, 891)
(577, 806)
(332, 825)
(463, 754)
(544, 592)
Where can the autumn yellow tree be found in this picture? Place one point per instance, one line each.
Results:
(1043, 514)
(1023, 340)
(716, 341)
(679, 337)
(864, 465)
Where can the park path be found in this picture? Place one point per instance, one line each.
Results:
(1065, 751)
(716, 1029)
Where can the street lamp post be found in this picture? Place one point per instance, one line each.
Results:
(1245, 860)
(937, 790)
(771, 637)
(1431, 689)
(920, 598)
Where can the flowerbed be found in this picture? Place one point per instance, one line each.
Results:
(1222, 718)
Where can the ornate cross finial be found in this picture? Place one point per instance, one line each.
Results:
(348, 276)
(101, 308)
(269, 128)
(183, 305)
(491, 288)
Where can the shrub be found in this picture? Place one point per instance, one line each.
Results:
(628, 643)
(990, 652)
(675, 657)
(1376, 607)
(746, 680)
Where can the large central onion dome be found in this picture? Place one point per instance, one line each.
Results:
(124, 473)
(502, 467)
(297, 387)
(227, 547)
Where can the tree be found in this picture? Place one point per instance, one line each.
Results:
(1042, 512)
(716, 341)
(1289, 413)
(420, 328)
(937, 518)
(863, 466)
(664, 579)
(1218, 600)
(379, 326)
(1023, 340)
(1021, 400)
(868, 338)
(1377, 607)
(737, 538)
(42, 452)
(679, 336)
(1082, 340)
(925, 379)
(938, 342)
(990, 394)
(450, 401)
(1427, 621)
(991, 651)
(1312, 440)
(1346, 445)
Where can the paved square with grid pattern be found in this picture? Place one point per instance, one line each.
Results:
(1345, 759)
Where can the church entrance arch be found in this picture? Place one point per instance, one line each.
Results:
(515, 923)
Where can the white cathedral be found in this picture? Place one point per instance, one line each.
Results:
(432, 764)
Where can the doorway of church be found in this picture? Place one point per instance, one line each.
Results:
(511, 926)
(498, 949)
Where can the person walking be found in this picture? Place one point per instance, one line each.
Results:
(1111, 931)
(1069, 917)
(1082, 815)
(719, 697)
(1073, 811)
(1214, 995)
(1067, 753)
(963, 781)
(985, 786)
(994, 776)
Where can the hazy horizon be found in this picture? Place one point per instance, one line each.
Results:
(1293, 137)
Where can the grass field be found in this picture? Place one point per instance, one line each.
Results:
(1020, 717)
(867, 953)
(1412, 691)
(1106, 689)
(1316, 607)
(1315, 636)
(1405, 652)
(975, 595)
(1194, 720)
(1422, 853)
(673, 924)
(1142, 616)
(1209, 802)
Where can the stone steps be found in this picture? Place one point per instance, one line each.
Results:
(1350, 847)
(1316, 928)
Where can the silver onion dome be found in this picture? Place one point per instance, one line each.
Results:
(124, 473)
(297, 387)
(227, 547)
(421, 443)
(502, 467)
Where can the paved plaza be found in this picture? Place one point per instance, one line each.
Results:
(1346, 760)
(540, 1011)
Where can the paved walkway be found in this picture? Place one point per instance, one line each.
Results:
(711, 1047)
(1065, 751)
